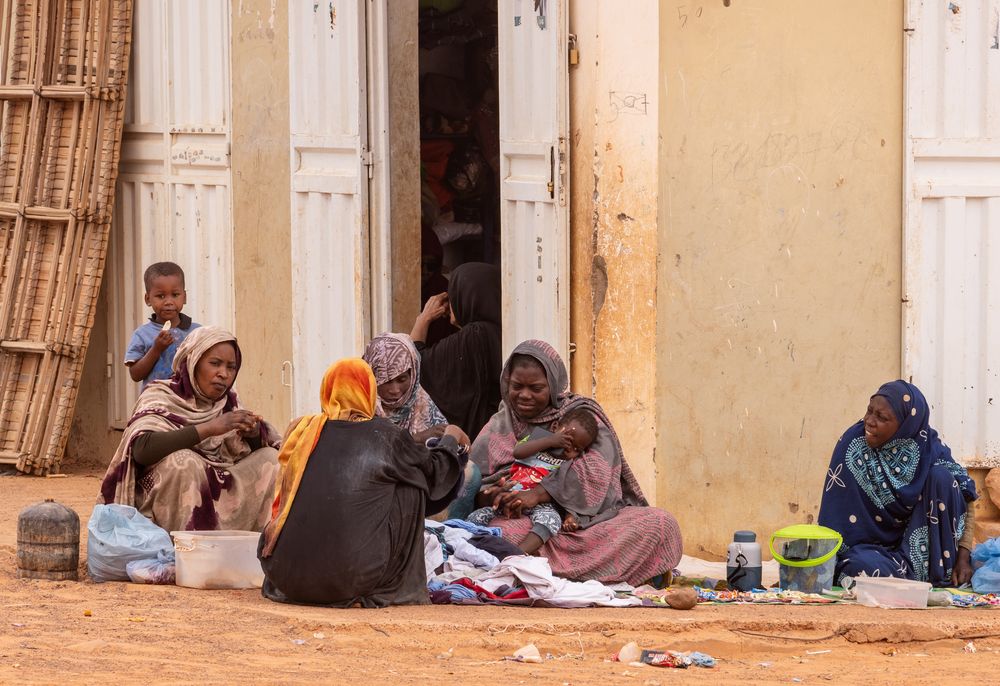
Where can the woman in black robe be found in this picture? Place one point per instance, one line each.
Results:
(348, 518)
(461, 373)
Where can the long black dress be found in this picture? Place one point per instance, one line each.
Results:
(354, 534)
(461, 373)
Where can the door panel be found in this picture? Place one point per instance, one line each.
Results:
(952, 221)
(534, 157)
(174, 186)
(329, 186)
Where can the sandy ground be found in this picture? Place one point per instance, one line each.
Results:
(81, 632)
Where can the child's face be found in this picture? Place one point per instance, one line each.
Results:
(167, 297)
(581, 439)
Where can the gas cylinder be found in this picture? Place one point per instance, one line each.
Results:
(48, 542)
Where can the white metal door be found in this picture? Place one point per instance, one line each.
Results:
(952, 220)
(329, 186)
(173, 199)
(534, 158)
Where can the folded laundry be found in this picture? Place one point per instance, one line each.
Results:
(472, 528)
(470, 553)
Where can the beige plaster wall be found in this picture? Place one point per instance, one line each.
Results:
(261, 204)
(779, 275)
(613, 122)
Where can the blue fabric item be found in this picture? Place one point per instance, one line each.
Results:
(701, 659)
(435, 585)
(142, 340)
(459, 592)
(901, 507)
(472, 528)
(465, 503)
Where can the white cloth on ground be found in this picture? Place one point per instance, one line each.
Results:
(452, 535)
(433, 555)
(455, 569)
(470, 553)
(536, 576)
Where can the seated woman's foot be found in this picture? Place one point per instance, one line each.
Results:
(531, 543)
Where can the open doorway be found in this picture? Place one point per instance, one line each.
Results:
(459, 141)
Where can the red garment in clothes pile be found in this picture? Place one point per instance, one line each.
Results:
(483, 594)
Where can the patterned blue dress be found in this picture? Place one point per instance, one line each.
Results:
(901, 508)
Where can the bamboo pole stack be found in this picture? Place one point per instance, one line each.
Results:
(62, 91)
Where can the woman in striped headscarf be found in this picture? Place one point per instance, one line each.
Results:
(401, 399)
(347, 524)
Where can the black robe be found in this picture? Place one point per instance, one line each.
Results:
(355, 531)
(461, 373)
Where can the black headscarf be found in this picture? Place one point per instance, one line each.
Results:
(474, 293)
(461, 373)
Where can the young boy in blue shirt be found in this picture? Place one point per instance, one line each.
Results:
(150, 353)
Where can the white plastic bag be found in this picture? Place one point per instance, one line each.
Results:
(160, 570)
(117, 535)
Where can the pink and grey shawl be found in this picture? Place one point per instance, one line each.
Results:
(390, 355)
(621, 539)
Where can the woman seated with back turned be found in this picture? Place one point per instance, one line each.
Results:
(897, 497)
(347, 524)
(191, 458)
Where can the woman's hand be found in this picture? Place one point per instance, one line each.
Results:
(459, 435)
(239, 420)
(435, 307)
(962, 572)
(436, 431)
(514, 502)
(487, 497)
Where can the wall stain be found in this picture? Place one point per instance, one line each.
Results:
(622, 217)
(599, 283)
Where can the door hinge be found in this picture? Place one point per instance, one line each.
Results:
(368, 160)
(110, 360)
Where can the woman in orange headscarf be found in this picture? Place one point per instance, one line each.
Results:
(348, 515)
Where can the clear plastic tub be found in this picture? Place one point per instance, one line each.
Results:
(217, 559)
(876, 591)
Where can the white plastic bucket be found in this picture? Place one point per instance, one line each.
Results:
(217, 559)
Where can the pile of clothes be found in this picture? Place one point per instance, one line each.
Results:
(468, 564)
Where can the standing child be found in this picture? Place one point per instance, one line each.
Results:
(536, 456)
(150, 354)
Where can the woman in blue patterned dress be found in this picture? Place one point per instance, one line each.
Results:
(894, 492)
